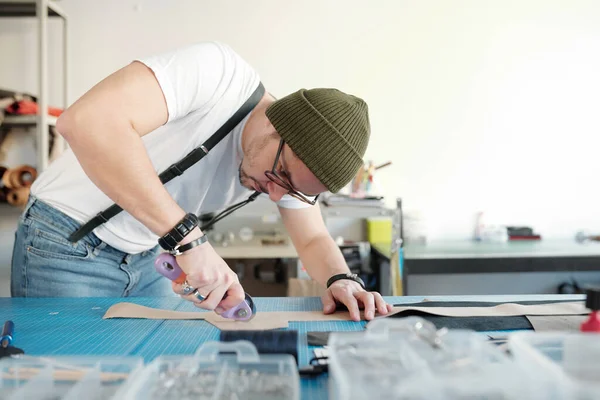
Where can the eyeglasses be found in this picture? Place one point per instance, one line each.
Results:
(274, 176)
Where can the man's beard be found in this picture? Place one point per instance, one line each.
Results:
(247, 181)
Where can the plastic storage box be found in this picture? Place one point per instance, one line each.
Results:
(566, 363)
(409, 359)
(74, 377)
(218, 370)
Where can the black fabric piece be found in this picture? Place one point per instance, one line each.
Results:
(317, 338)
(479, 324)
(266, 342)
(179, 168)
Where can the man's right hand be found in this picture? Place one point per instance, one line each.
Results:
(211, 276)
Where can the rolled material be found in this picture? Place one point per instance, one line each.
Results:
(20, 177)
(267, 342)
(3, 189)
(18, 197)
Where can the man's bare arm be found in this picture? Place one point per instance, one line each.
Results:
(104, 129)
(315, 246)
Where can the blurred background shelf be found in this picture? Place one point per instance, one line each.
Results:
(24, 8)
(41, 10)
(26, 120)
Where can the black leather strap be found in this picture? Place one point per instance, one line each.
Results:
(228, 211)
(179, 168)
(179, 232)
(352, 277)
(179, 250)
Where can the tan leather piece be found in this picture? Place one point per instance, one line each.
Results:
(556, 323)
(279, 319)
(262, 321)
(505, 310)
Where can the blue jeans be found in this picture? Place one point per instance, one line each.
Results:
(46, 264)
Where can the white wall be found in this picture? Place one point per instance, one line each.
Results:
(481, 105)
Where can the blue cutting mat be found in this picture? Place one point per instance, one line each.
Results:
(74, 326)
(184, 337)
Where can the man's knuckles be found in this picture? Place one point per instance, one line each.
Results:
(203, 278)
(209, 278)
(229, 279)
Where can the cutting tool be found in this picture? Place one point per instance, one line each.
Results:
(166, 265)
(7, 334)
(6, 338)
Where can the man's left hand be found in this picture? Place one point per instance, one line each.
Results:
(354, 297)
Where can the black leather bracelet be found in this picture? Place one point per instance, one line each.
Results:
(181, 230)
(352, 277)
(179, 250)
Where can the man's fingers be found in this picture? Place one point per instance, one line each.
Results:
(382, 306)
(194, 299)
(235, 295)
(328, 302)
(368, 302)
(213, 298)
(350, 302)
(177, 288)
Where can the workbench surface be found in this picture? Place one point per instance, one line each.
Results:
(74, 326)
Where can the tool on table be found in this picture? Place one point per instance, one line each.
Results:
(166, 265)
(7, 334)
(6, 339)
(592, 302)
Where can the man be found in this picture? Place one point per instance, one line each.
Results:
(147, 116)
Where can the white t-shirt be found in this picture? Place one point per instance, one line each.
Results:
(203, 84)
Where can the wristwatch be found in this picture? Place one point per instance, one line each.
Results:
(352, 277)
(181, 230)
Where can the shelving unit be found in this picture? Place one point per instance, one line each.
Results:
(393, 273)
(41, 10)
(26, 120)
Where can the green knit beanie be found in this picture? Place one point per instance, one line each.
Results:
(327, 129)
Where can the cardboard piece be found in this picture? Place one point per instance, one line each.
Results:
(279, 319)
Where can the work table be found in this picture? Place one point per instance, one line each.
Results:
(74, 326)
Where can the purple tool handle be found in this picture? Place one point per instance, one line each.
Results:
(166, 265)
(234, 312)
